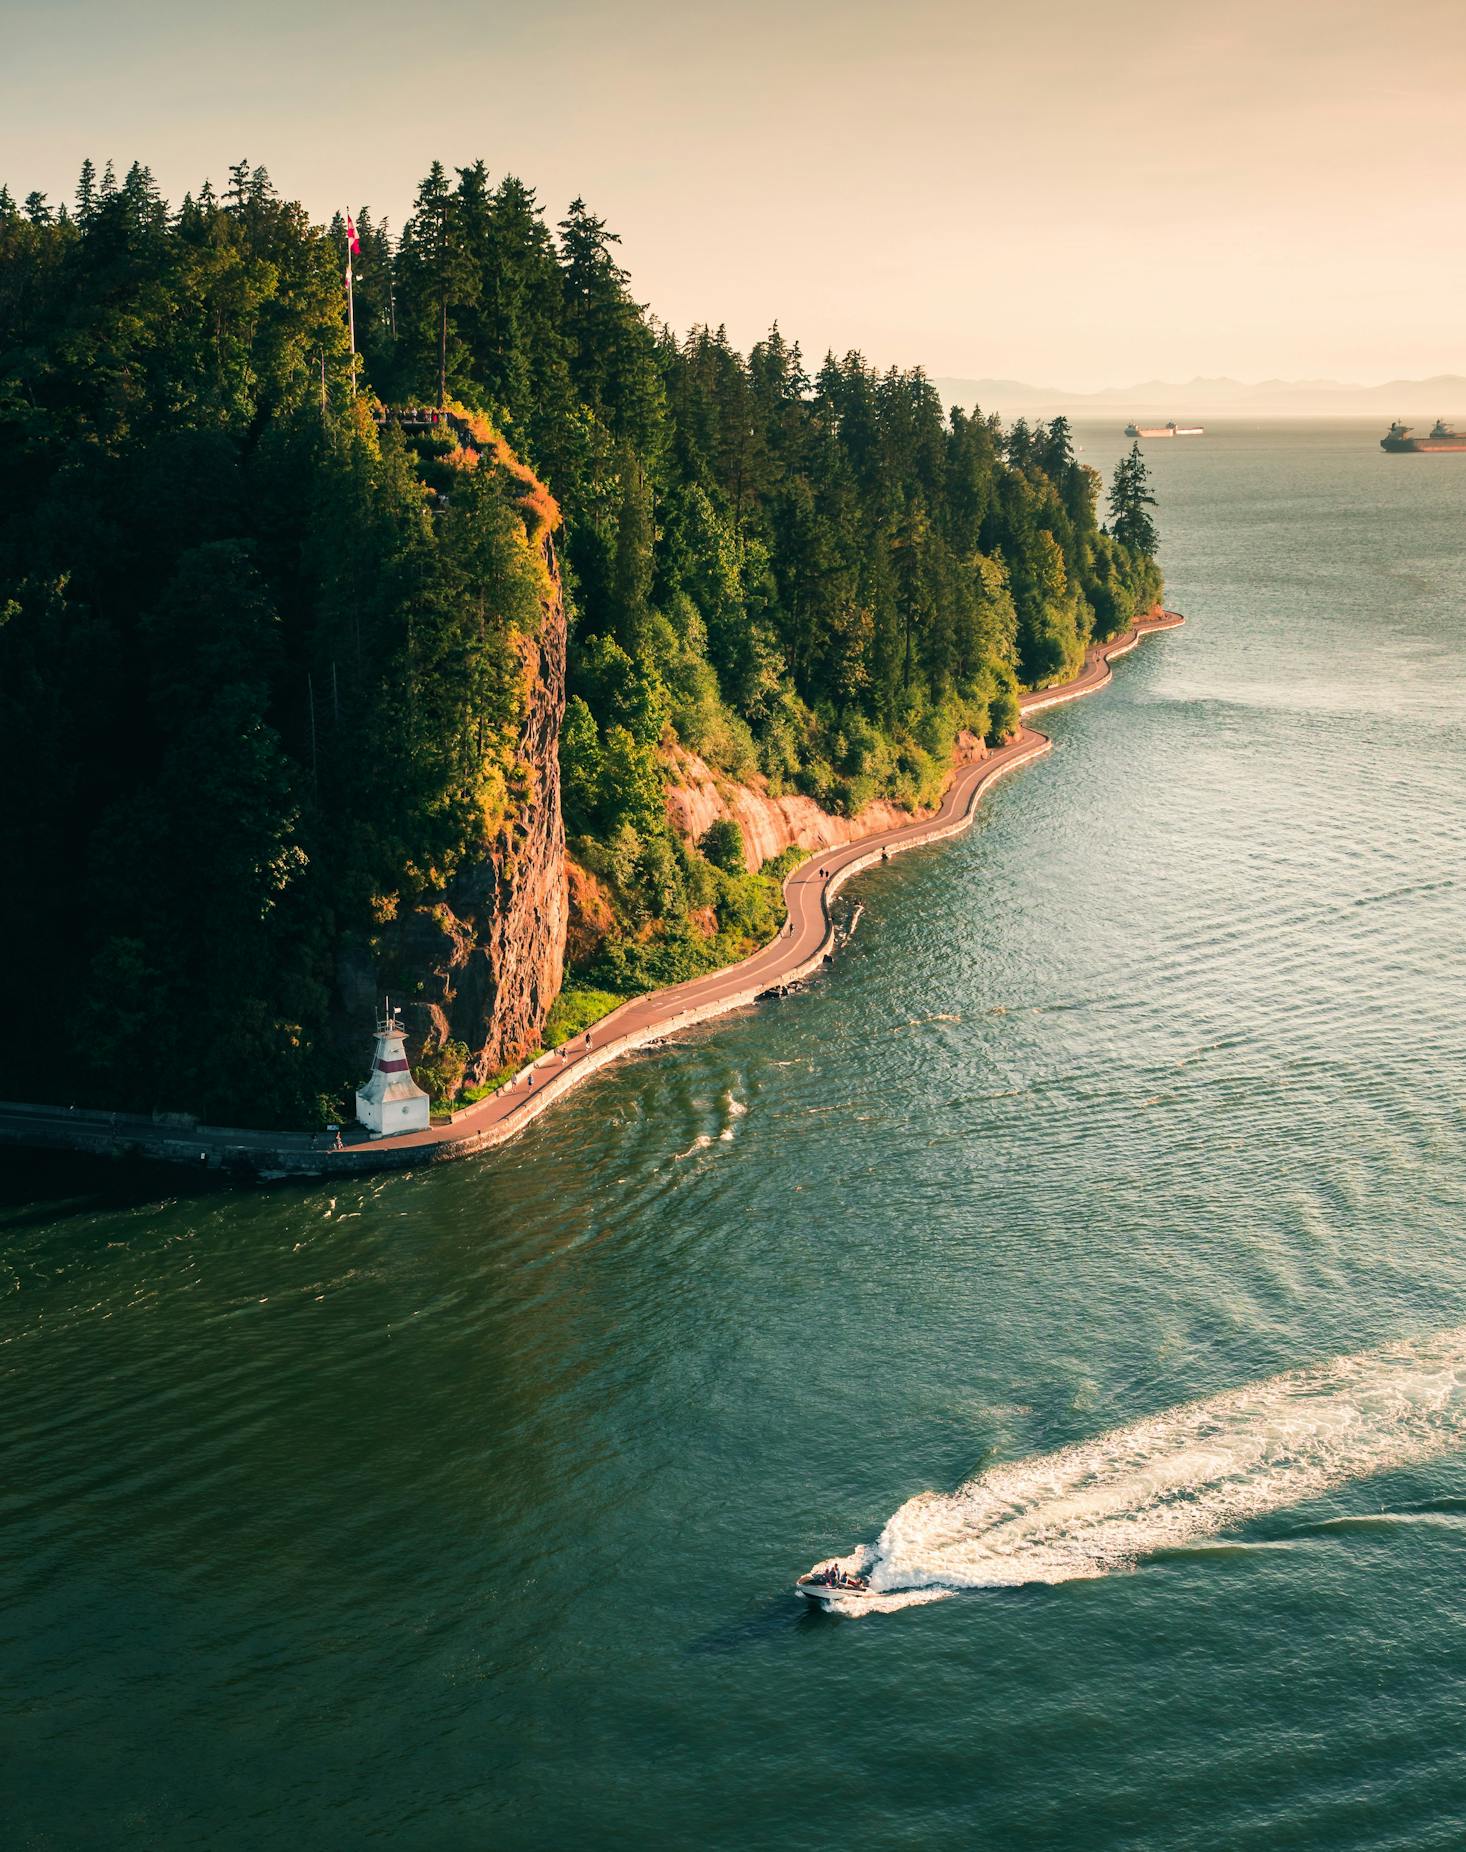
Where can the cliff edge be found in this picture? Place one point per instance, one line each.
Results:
(479, 964)
(698, 796)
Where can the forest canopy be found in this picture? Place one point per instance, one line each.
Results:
(259, 674)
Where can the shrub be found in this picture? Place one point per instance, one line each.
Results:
(470, 1096)
(440, 1075)
(573, 1012)
(1003, 716)
(722, 844)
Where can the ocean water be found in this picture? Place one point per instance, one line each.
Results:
(1086, 1253)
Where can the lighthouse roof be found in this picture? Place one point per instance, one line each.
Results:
(382, 1089)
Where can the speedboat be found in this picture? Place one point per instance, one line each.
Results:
(827, 1582)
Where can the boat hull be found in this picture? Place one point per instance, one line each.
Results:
(821, 1594)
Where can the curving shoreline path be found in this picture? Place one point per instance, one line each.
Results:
(801, 948)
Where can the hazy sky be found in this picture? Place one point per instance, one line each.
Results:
(1071, 192)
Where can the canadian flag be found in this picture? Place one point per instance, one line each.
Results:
(353, 242)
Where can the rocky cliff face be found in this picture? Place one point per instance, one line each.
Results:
(482, 965)
(501, 936)
(509, 909)
(698, 796)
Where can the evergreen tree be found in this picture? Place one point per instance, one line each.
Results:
(438, 275)
(236, 194)
(86, 195)
(1130, 502)
(632, 580)
(290, 649)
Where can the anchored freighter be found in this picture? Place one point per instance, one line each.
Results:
(1442, 437)
(1165, 430)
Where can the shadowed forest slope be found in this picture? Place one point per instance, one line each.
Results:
(291, 696)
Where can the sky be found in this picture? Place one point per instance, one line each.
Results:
(1049, 190)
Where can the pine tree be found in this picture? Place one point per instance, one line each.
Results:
(86, 195)
(438, 274)
(819, 581)
(612, 351)
(236, 194)
(1130, 499)
(631, 582)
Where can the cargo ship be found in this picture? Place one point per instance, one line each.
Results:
(1442, 437)
(1165, 430)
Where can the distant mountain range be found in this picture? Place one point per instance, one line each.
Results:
(1410, 399)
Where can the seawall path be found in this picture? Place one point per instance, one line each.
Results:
(802, 948)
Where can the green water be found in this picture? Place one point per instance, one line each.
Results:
(460, 1509)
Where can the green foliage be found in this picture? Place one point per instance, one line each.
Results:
(750, 909)
(722, 844)
(779, 867)
(441, 1076)
(264, 697)
(574, 1011)
(470, 1096)
(1003, 717)
(630, 966)
(262, 685)
(580, 768)
(1130, 502)
(631, 785)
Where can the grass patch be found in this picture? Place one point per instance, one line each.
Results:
(470, 1096)
(573, 1012)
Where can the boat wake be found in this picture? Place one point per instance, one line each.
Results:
(734, 1109)
(1177, 1478)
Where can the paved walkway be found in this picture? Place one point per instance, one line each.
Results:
(800, 949)
(803, 943)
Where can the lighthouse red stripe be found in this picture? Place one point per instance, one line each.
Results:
(391, 1067)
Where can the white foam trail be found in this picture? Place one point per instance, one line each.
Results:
(734, 1110)
(1180, 1476)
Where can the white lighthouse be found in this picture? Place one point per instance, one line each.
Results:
(391, 1101)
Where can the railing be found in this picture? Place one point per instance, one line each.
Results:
(425, 418)
(414, 417)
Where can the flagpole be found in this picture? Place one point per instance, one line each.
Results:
(351, 318)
